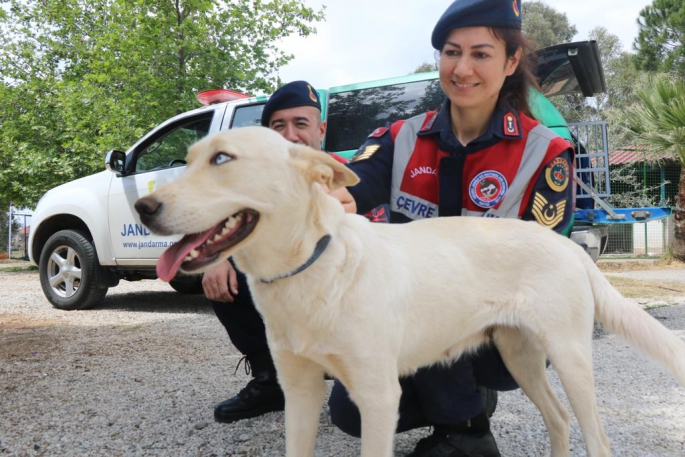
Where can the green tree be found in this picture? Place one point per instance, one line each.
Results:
(660, 43)
(426, 67)
(545, 26)
(79, 77)
(620, 75)
(658, 121)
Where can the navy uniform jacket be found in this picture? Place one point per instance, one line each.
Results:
(459, 167)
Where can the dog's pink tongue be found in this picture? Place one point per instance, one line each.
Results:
(173, 257)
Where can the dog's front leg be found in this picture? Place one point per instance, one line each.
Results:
(304, 388)
(376, 392)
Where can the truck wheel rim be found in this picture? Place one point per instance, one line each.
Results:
(64, 271)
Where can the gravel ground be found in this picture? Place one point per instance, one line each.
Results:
(139, 376)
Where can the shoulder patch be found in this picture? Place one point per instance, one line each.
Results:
(548, 214)
(557, 174)
(365, 153)
(431, 122)
(511, 127)
(379, 132)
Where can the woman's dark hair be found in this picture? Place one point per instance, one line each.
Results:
(517, 87)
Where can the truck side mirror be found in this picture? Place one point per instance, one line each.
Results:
(115, 161)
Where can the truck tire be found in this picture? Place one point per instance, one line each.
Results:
(69, 271)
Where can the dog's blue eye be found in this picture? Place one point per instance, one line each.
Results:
(220, 158)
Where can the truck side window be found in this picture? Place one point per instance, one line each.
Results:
(170, 147)
(247, 115)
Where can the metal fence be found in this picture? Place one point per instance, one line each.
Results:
(15, 227)
(643, 184)
(592, 159)
(630, 178)
(643, 240)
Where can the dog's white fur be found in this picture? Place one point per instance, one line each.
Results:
(385, 299)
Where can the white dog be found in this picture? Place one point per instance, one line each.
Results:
(367, 302)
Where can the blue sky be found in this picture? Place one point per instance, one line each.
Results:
(363, 40)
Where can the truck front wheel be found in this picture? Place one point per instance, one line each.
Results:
(69, 271)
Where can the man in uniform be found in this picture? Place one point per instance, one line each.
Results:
(294, 111)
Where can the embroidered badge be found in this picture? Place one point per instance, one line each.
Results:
(548, 214)
(516, 8)
(365, 153)
(488, 188)
(379, 132)
(557, 174)
(511, 128)
(312, 96)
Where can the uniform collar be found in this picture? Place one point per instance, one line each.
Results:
(505, 124)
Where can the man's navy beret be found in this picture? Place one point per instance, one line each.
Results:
(291, 95)
(476, 13)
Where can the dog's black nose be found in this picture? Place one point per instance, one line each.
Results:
(147, 206)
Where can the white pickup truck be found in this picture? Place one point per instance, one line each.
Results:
(86, 236)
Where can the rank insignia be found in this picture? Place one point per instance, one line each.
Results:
(557, 174)
(511, 127)
(312, 96)
(548, 214)
(429, 125)
(379, 132)
(365, 153)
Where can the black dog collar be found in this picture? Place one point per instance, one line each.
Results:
(318, 250)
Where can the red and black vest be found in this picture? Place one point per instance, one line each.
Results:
(497, 181)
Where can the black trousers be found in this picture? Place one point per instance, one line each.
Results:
(241, 320)
(435, 395)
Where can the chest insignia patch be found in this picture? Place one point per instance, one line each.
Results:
(488, 188)
(557, 174)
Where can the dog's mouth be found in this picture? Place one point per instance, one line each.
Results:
(198, 250)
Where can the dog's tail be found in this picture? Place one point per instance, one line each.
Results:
(626, 319)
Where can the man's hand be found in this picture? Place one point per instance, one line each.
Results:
(221, 282)
(344, 197)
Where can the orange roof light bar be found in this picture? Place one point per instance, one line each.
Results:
(209, 97)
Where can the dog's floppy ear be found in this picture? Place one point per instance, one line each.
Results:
(322, 168)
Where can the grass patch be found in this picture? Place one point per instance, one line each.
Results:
(608, 264)
(665, 305)
(634, 288)
(18, 269)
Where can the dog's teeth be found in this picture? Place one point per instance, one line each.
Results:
(225, 231)
(194, 254)
(209, 242)
(231, 222)
(188, 258)
(217, 237)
